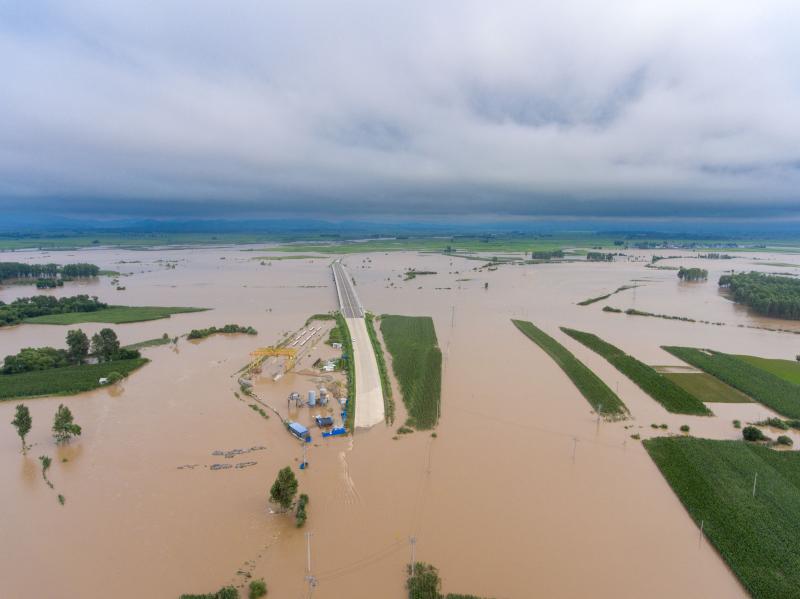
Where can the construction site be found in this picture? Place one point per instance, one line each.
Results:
(307, 369)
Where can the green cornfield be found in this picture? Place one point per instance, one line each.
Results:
(417, 364)
(64, 381)
(764, 387)
(673, 397)
(759, 537)
(596, 392)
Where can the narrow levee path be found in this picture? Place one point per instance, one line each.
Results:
(369, 409)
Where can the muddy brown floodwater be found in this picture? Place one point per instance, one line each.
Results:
(521, 494)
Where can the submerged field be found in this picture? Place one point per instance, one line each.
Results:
(758, 536)
(674, 398)
(596, 392)
(113, 314)
(63, 381)
(763, 386)
(417, 364)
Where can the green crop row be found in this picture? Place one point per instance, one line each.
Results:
(350, 370)
(673, 397)
(386, 385)
(64, 381)
(758, 536)
(764, 387)
(417, 364)
(596, 392)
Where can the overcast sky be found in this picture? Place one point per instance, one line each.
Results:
(415, 107)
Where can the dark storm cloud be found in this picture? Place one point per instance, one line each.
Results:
(514, 108)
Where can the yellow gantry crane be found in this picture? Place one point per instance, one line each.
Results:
(261, 354)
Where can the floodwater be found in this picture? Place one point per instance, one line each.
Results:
(522, 493)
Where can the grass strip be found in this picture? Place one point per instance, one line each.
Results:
(764, 387)
(69, 380)
(673, 397)
(350, 369)
(596, 392)
(417, 364)
(386, 385)
(164, 340)
(591, 300)
(759, 537)
(112, 314)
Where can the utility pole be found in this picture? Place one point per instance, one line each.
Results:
(599, 411)
(312, 582)
(700, 539)
(574, 446)
(413, 541)
(755, 480)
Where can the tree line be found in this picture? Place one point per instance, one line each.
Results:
(768, 295)
(20, 270)
(44, 305)
(692, 274)
(104, 347)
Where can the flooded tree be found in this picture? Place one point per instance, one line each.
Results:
(64, 427)
(23, 423)
(105, 344)
(78, 346)
(284, 488)
(46, 461)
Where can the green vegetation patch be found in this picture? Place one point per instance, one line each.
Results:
(768, 295)
(788, 370)
(349, 367)
(674, 398)
(707, 388)
(764, 387)
(113, 314)
(227, 329)
(591, 300)
(386, 385)
(163, 340)
(759, 537)
(68, 380)
(423, 582)
(417, 364)
(596, 392)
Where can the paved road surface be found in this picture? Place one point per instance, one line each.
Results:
(369, 395)
(348, 300)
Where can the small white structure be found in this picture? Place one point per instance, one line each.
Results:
(312, 398)
(103, 381)
(335, 345)
(329, 367)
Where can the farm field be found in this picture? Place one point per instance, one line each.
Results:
(764, 387)
(674, 398)
(596, 392)
(758, 536)
(417, 364)
(788, 370)
(63, 381)
(707, 388)
(113, 315)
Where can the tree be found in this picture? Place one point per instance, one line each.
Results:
(63, 426)
(23, 423)
(46, 461)
(423, 581)
(300, 515)
(751, 433)
(105, 345)
(78, 344)
(258, 588)
(284, 488)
